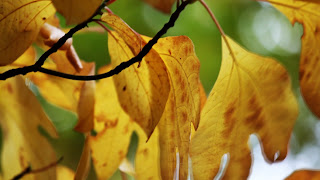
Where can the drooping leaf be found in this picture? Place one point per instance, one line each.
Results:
(76, 11)
(20, 22)
(251, 95)
(109, 147)
(162, 5)
(142, 88)
(307, 13)
(77, 96)
(21, 115)
(183, 105)
(147, 161)
(84, 164)
(304, 175)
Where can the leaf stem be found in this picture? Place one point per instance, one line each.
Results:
(215, 20)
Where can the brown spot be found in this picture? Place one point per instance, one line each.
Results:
(184, 116)
(111, 124)
(104, 164)
(183, 85)
(183, 98)
(229, 112)
(172, 134)
(145, 152)
(308, 75)
(20, 22)
(121, 154)
(44, 18)
(254, 116)
(229, 120)
(126, 129)
(169, 51)
(124, 88)
(9, 88)
(301, 74)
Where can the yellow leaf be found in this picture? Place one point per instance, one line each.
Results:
(20, 22)
(64, 173)
(162, 5)
(26, 59)
(307, 13)
(251, 95)
(304, 175)
(147, 161)
(76, 11)
(110, 146)
(20, 116)
(142, 88)
(183, 105)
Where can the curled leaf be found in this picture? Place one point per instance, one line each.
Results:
(142, 88)
(162, 5)
(20, 23)
(307, 13)
(251, 95)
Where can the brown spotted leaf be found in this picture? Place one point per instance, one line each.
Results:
(304, 175)
(76, 11)
(183, 105)
(143, 88)
(251, 95)
(20, 23)
(21, 115)
(306, 12)
(109, 147)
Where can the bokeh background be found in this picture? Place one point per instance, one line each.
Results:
(257, 26)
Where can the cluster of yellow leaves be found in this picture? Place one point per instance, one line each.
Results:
(161, 99)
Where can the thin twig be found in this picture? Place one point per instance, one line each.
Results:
(29, 170)
(112, 72)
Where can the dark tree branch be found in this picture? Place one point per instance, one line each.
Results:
(37, 66)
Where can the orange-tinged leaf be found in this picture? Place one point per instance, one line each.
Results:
(147, 161)
(183, 105)
(64, 173)
(20, 116)
(85, 109)
(162, 5)
(142, 88)
(251, 95)
(76, 11)
(304, 175)
(20, 22)
(83, 168)
(307, 13)
(110, 146)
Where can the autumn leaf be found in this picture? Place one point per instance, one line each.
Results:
(142, 88)
(162, 5)
(147, 161)
(84, 164)
(183, 105)
(251, 95)
(76, 11)
(21, 115)
(20, 22)
(76, 96)
(307, 13)
(304, 175)
(110, 146)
